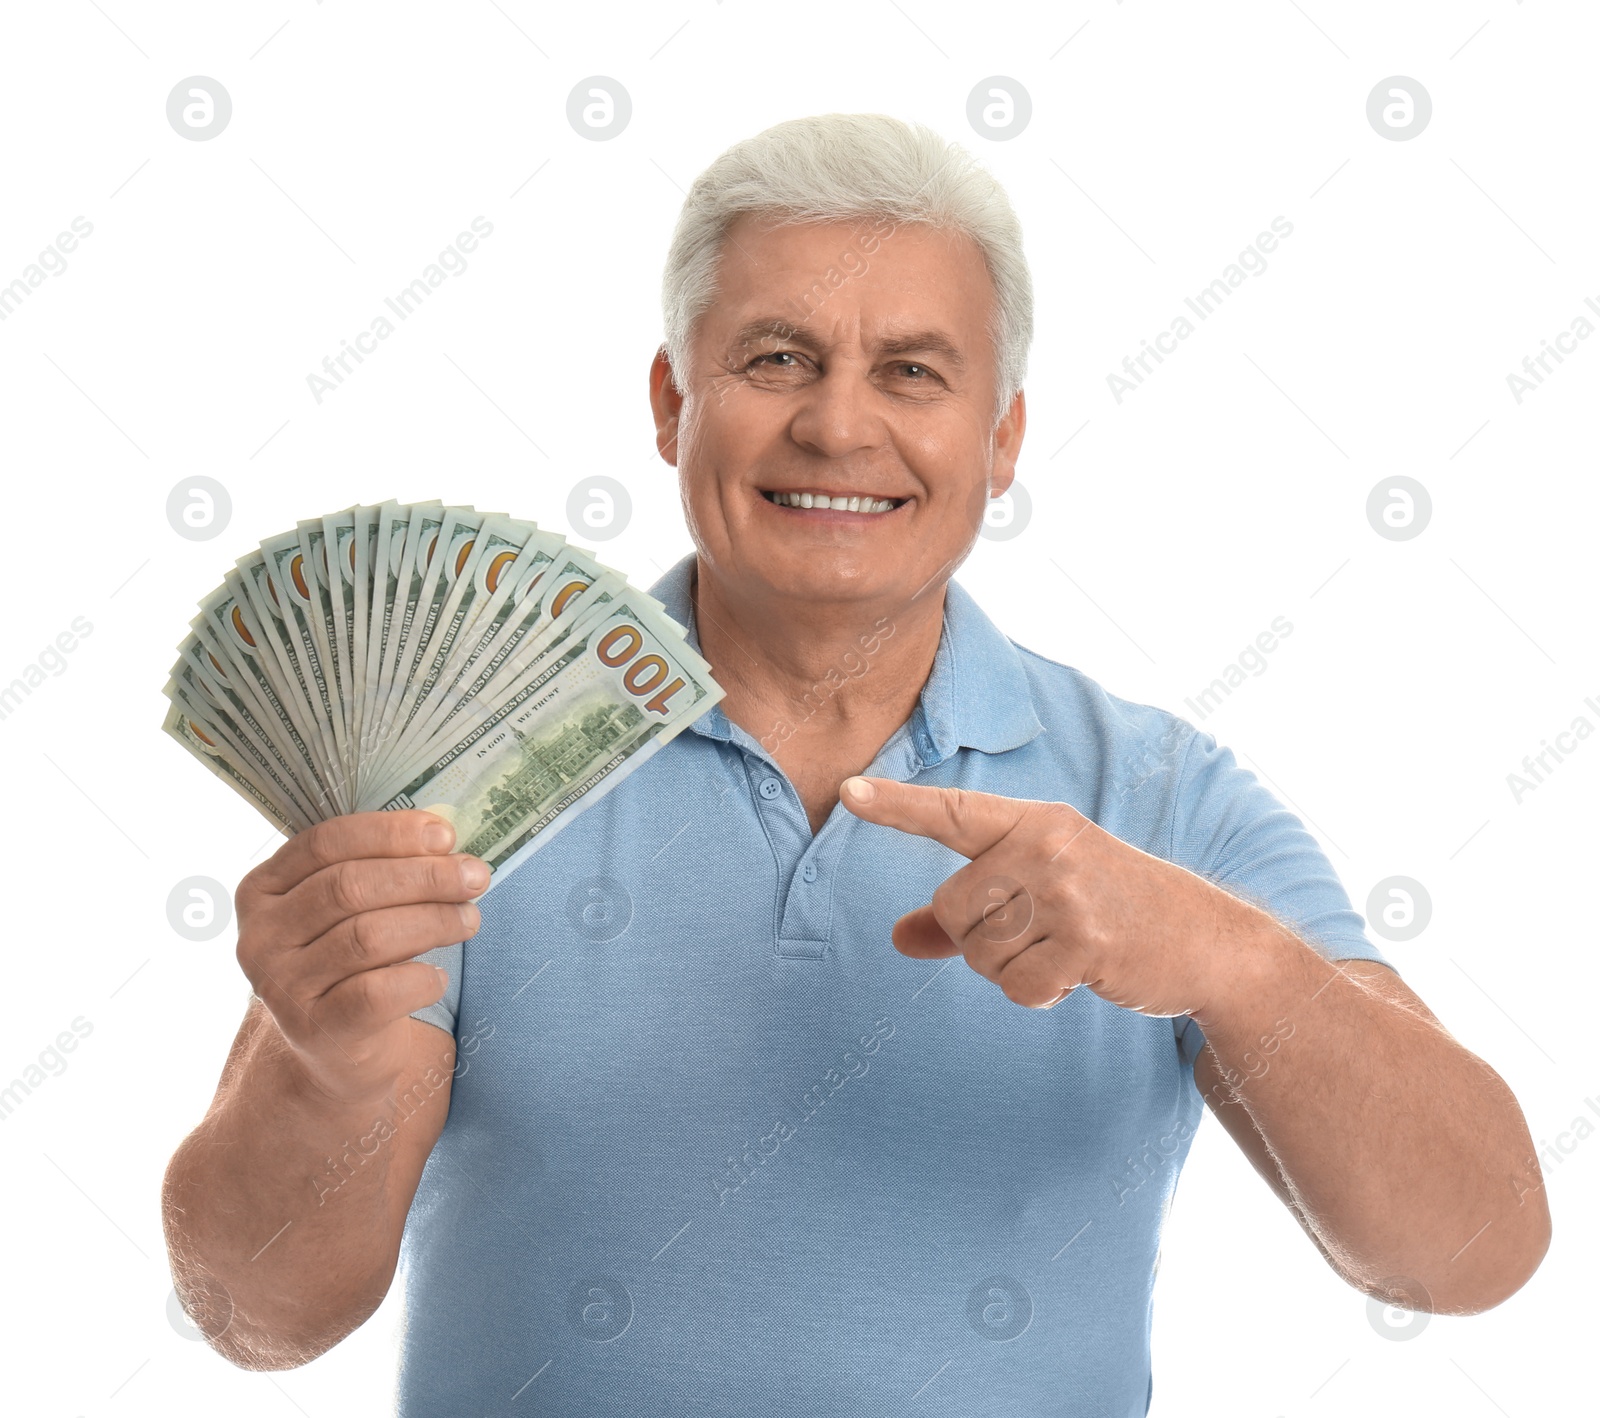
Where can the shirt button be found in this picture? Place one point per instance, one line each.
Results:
(809, 871)
(770, 788)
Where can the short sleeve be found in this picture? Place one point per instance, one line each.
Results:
(1228, 828)
(443, 1013)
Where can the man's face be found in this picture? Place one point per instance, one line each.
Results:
(850, 360)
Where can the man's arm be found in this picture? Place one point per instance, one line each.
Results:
(1403, 1155)
(1229, 1109)
(284, 1208)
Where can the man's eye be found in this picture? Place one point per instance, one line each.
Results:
(920, 373)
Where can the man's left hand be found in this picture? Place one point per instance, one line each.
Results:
(1050, 901)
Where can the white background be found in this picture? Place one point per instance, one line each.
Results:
(1166, 531)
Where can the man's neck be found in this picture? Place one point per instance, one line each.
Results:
(805, 674)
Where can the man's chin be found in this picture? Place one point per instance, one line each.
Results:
(819, 575)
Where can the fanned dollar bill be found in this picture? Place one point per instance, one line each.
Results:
(423, 655)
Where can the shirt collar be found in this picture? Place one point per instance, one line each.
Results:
(977, 693)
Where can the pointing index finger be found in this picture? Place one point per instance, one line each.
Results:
(965, 821)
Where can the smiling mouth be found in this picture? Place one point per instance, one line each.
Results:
(836, 502)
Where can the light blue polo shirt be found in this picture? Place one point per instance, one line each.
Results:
(715, 1147)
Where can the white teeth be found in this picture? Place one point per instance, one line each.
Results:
(856, 503)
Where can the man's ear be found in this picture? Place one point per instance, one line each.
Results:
(1008, 444)
(666, 403)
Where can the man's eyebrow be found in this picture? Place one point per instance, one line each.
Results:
(907, 342)
(924, 342)
(772, 328)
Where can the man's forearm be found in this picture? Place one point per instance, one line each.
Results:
(1406, 1154)
(282, 1229)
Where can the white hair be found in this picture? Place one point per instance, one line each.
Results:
(851, 167)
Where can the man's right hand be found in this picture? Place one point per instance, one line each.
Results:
(328, 926)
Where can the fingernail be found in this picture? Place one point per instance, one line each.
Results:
(862, 790)
(438, 836)
(474, 873)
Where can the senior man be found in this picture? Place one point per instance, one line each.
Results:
(698, 1126)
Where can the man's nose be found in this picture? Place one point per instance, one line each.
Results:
(838, 413)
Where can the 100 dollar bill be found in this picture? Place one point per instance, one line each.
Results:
(614, 693)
